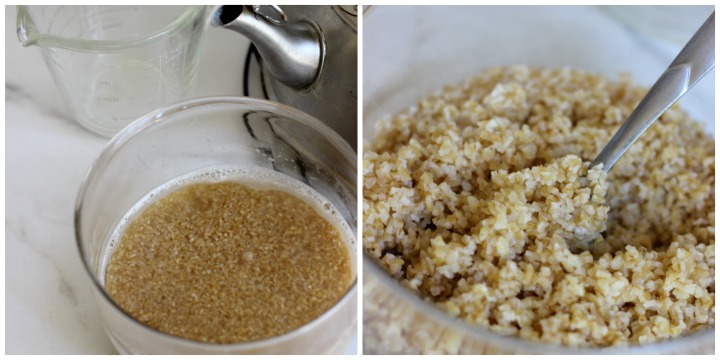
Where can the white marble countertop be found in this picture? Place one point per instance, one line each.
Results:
(49, 303)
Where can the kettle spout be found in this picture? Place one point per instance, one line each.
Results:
(292, 51)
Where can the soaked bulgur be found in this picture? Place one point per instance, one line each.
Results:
(226, 263)
(471, 196)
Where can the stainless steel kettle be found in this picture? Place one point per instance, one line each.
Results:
(311, 53)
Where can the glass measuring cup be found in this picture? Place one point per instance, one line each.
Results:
(113, 64)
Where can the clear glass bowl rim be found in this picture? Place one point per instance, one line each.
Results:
(518, 345)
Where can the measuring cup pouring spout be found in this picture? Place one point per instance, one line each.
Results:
(27, 31)
(292, 50)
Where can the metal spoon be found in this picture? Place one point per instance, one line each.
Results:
(695, 60)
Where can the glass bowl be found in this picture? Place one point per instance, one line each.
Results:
(434, 46)
(212, 133)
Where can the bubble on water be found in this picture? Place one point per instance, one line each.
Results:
(255, 177)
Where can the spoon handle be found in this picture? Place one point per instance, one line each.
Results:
(695, 60)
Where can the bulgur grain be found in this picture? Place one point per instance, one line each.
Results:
(471, 195)
(225, 263)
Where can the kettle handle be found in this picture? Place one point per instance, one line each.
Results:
(271, 13)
